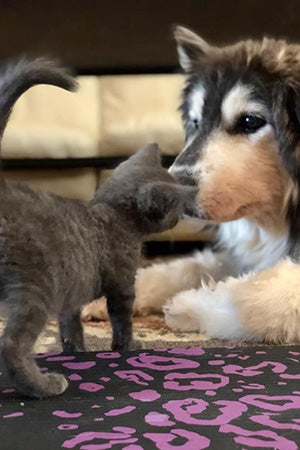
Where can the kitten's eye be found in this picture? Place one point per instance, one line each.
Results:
(248, 124)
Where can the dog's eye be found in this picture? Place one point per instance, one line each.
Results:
(248, 124)
(195, 123)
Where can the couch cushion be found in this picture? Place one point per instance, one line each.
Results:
(109, 116)
(140, 109)
(72, 183)
(48, 122)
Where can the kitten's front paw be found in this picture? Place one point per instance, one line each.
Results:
(72, 347)
(136, 345)
(124, 344)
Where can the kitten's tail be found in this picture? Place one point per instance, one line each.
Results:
(18, 76)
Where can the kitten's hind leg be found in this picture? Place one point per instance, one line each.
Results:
(24, 324)
(119, 307)
(71, 332)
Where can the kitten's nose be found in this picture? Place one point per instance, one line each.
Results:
(184, 175)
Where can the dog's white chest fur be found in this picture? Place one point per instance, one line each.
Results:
(252, 247)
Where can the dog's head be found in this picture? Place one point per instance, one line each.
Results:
(142, 190)
(241, 111)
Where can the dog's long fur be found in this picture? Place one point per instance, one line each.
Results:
(241, 112)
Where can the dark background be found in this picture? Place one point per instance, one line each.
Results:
(119, 36)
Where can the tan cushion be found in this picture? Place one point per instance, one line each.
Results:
(109, 116)
(48, 122)
(140, 109)
(73, 183)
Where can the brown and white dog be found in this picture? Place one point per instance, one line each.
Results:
(241, 112)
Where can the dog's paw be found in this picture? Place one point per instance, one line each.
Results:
(212, 312)
(95, 310)
(181, 313)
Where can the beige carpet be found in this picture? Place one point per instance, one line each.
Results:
(151, 332)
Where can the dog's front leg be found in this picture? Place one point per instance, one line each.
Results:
(263, 306)
(158, 283)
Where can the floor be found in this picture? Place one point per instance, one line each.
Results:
(184, 399)
(150, 331)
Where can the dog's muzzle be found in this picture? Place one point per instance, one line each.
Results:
(185, 177)
(194, 211)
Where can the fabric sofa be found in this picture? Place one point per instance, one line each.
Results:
(108, 119)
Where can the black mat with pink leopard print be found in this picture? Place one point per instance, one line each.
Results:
(187, 399)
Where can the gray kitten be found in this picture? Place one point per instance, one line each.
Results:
(57, 254)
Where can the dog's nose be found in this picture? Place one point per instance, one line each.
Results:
(184, 175)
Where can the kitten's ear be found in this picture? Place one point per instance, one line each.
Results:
(155, 200)
(191, 48)
(148, 156)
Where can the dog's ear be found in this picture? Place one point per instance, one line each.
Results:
(293, 107)
(191, 47)
(155, 200)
